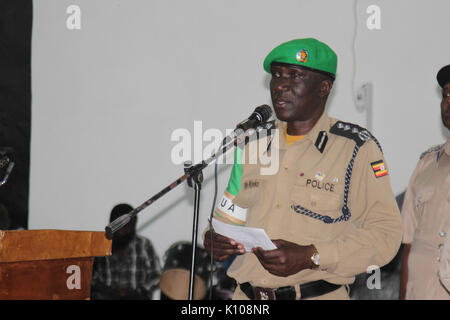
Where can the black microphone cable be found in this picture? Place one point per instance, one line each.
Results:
(211, 262)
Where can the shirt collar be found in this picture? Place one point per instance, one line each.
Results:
(444, 150)
(447, 147)
(323, 124)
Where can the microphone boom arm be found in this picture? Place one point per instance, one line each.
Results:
(192, 172)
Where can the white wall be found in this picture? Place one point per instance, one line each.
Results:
(107, 97)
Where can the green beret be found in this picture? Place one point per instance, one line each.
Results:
(309, 52)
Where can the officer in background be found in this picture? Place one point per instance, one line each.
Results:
(444, 265)
(426, 214)
(329, 207)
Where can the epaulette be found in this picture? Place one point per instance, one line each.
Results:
(432, 149)
(351, 131)
(354, 132)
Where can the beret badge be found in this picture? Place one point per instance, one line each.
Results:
(302, 55)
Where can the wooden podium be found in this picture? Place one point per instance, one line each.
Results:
(49, 264)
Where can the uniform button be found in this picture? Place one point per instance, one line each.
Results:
(438, 259)
(313, 203)
(264, 281)
(277, 206)
(442, 233)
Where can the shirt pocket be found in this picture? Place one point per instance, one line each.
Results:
(321, 202)
(251, 191)
(422, 199)
(318, 214)
(426, 211)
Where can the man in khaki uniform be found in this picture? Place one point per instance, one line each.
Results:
(426, 215)
(329, 207)
(444, 265)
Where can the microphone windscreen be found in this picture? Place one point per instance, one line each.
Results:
(265, 111)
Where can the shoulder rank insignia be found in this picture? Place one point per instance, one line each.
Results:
(432, 149)
(352, 131)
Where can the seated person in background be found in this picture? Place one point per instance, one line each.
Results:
(133, 269)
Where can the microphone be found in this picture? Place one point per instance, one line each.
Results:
(6, 156)
(6, 163)
(259, 116)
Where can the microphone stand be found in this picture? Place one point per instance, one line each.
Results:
(194, 177)
(190, 171)
(195, 180)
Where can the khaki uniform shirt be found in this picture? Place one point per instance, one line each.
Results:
(444, 265)
(310, 179)
(426, 220)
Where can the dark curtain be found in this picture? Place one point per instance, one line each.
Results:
(15, 106)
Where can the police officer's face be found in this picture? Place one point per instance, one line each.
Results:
(296, 93)
(445, 105)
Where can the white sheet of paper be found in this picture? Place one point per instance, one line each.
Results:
(249, 237)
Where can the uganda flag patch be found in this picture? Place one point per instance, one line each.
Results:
(379, 168)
